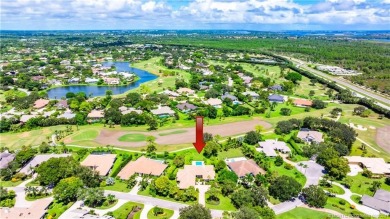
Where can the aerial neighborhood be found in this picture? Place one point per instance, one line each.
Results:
(105, 129)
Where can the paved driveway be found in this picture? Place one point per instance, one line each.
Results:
(286, 206)
(312, 170)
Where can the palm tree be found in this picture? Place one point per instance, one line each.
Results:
(27, 190)
(34, 191)
(111, 198)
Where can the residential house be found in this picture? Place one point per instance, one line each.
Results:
(187, 91)
(5, 159)
(38, 78)
(112, 81)
(74, 80)
(252, 94)
(37, 210)
(96, 114)
(102, 163)
(25, 118)
(171, 94)
(129, 110)
(276, 98)
(215, 102)
(91, 80)
(142, 166)
(40, 103)
(163, 111)
(303, 103)
(276, 87)
(65, 62)
(62, 104)
(186, 107)
(270, 146)
(67, 115)
(229, 96)
(245, 167)
(376, 165)
(38, 159)
(380, 201)
(187, 176)
(310, 136)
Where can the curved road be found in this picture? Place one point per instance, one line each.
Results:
(383, 100)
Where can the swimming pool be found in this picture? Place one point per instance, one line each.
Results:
(198, 163)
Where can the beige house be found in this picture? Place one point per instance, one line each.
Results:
(244, 167)
(215, 102)
(377, 166)
(142, 165)
(187, 176)
(184, 90)
(102, 163)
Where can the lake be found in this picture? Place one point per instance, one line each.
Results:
(144, 76)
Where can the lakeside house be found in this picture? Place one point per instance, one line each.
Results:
(62, 104)
(112, 81)
(40, 103)
(188, 175)
(310, 136)
(102, 163)
(142, 166)
(270, 146)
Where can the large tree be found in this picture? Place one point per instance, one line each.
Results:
(337, 167)
(195, 211)
(315, 196)
(252, 137)
(285, 188)
(246, 213)
(67, 189)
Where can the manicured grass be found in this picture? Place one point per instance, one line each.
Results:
(225, 204)
(132, 138)
(86, 135)
(273, 200)
(124, 210)
(30, 198)
(172, 133)
(361, 185)
(304, 213)
(146, 193)
(118, 186)
(235, 152)
(356, 198)
(108, 206)
(334, 204)
(335, 189)
(167, 214)
(9, 183)
(57, 208)
(294, 173)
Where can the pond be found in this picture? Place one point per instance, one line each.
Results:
(144, 76)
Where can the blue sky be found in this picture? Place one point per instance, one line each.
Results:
(195, 14)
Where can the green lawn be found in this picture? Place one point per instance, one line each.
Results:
(172, 133)
(224, 204)
(292, 173)
(335, 189)
(167, 214)
(146, 193)
(334, 204)
(108, 206)
(118, 186)
(124, 210)
(132, 138)
(9, 183)
(30, 198)
(356, 198)
(57, 208)
(235, 152)
(361, 185)
(304, 213)
(86, 135)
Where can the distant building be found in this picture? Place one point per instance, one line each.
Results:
(215, 102)
(276, 98)
(187, 176)
(186, 107)
(62, 104)
(96, 114)
(303, 103)
(229, 96)
(163, 111)
(67, 115)
(310, 136)
(91, 80)
(112, 81)
(40, 103)
(74, 80)
(184, 90)
(170, 93)
(276, 87)
(380, 201)
(25, 118)
(252, 94)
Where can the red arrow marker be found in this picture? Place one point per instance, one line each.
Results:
(199, 144)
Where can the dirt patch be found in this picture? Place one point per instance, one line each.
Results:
(111, 137)
(383, 138)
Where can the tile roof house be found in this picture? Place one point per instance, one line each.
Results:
(163, 111)
(186, 107)
(25, 118)
(96, 114)
(244, 167)
(187, 176)
(276, 87)
(142, 165)
(270, 146)
(129, 110)
(36, 210)
(376, 165)
(38, 159)
(310, 136)
(100, 162)
(380, 201)
(252, 94)
(67, 115)
(302, 102)
(184, 90)
(215, 102)
(276, 98)
(170, 93)
(111, 81)
(5, 159)
(62, 104)
(229, 96)
(40, 103)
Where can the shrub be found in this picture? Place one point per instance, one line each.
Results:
(342, 202)
(288, 166)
